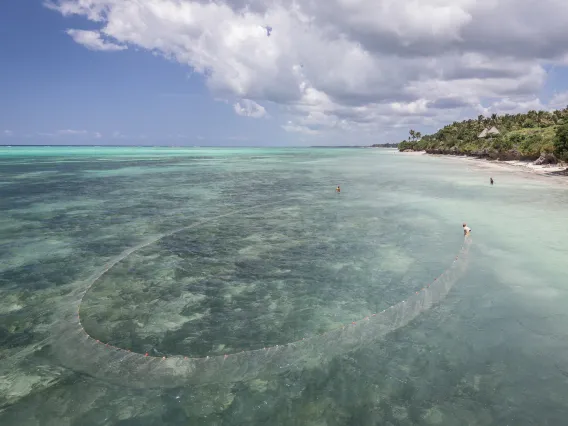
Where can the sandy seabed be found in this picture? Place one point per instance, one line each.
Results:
(494, 352)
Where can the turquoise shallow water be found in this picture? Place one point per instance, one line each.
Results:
(494, 352)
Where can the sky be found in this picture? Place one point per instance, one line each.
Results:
(271, 72)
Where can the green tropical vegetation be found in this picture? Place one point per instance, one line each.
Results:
(385, 145)
(529, 136)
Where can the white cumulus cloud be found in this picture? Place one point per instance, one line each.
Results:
(346, 66)
(559, 101)
(93, 40)
(71, 132)
(248, 108)
(8, 133)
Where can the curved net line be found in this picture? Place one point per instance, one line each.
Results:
(79, 351)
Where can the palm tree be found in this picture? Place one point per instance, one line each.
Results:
(539, 118)
(412, 136)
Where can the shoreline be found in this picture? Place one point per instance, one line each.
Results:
(525, 167)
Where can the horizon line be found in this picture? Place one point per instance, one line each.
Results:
(184, 146)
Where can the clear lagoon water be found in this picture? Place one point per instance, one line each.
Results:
(296, 260)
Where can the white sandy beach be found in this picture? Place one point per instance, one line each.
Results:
(553, 170)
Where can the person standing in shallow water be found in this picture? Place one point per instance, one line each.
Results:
(338, 189)
(491, 180)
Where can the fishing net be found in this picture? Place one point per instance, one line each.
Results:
(77, 350)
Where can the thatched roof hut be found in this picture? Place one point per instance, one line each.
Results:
(493, 131)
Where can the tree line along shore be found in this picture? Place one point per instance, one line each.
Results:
(539, 136)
